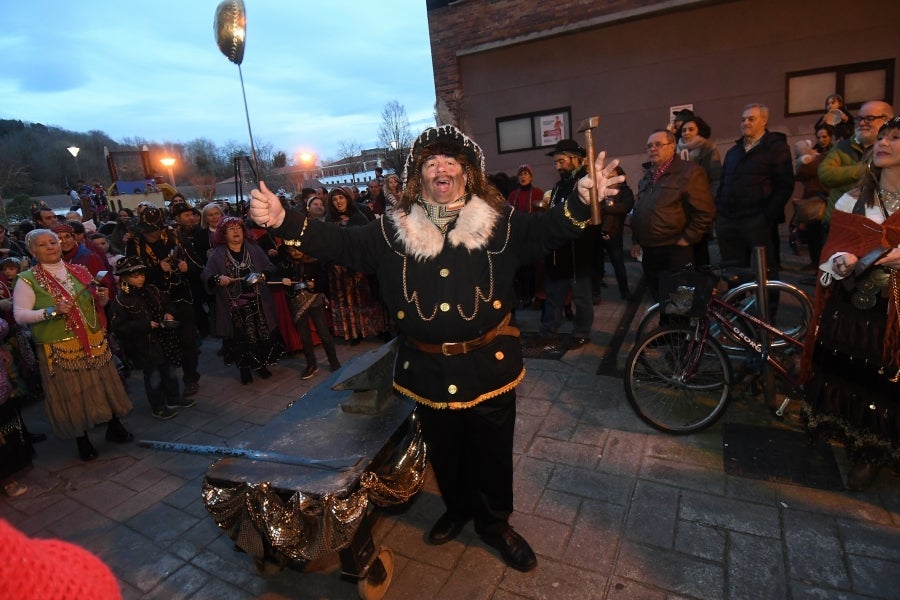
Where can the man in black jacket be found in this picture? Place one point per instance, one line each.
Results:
(757, 182)
(446, 258)
(569, 267)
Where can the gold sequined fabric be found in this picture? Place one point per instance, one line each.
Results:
(70, 356)
(300, 527)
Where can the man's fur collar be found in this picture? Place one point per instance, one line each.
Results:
(422, 240)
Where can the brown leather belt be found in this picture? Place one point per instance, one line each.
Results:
(455, 348)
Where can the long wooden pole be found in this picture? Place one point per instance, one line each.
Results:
(588, 126)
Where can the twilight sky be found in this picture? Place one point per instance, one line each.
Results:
(316, 73)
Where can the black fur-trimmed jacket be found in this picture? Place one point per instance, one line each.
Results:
(446, 288)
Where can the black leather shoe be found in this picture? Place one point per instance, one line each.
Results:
(513, 548)
(86, 450)
(264, 372)
(577, 342)
(445, 529)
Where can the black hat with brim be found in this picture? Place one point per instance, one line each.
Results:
(567, 146)
(129, 264)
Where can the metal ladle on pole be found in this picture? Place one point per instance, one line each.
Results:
(230, 28)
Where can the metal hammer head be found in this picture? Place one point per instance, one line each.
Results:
(589, 123)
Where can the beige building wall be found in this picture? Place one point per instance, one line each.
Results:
(717, 56)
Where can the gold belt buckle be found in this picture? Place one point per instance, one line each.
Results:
(447, 348)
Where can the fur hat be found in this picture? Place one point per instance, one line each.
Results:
(447, 140)
(129, 264)
(151, 219)
(568, 147)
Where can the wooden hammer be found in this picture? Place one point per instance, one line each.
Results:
(588, 126)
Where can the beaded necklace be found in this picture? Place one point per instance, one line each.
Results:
(890, 200)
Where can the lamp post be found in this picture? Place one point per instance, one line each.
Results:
(167, 163)
(306, 160)
(74, 150)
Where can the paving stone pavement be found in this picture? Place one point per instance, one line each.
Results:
(612, 508)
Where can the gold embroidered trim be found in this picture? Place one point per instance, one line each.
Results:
(576, 223)
(460, 405)
(69, 354)
(298, 241)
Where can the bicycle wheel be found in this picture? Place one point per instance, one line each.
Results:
(676, 383)
(790, 311)
(649, 321)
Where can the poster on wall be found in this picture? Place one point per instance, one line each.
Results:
(552, 129)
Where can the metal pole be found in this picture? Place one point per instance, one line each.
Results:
(332, 464)
(762, 301)
(249, 130)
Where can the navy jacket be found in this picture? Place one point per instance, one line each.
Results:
(758, 181)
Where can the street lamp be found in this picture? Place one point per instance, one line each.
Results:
(167, 163)
(74, 150)
(307, 161)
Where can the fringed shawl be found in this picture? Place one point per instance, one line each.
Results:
(857, 234)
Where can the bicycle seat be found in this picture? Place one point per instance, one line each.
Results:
(735, 276)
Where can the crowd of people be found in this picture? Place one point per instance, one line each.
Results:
(442, 257)
(86, 300)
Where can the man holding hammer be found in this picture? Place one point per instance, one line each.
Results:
(446, 258)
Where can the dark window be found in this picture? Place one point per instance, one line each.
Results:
(535, 130)
(805, 91)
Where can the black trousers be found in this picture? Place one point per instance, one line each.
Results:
(660, 259)
(471, 452)
(188, 336)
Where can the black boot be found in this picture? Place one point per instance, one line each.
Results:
(264, 372)
(246, 375)
(86, 450)
(116, 432)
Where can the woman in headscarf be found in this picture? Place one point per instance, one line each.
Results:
(245, 313)
(81, 385)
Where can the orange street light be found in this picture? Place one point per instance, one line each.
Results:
(168, 163)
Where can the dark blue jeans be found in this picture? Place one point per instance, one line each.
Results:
(557, 288)
(160, 384)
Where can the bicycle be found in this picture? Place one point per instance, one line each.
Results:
(678, 378)
(793, 314)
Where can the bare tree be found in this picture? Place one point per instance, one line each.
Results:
(349, 154)
(8, 179)
(394, 135)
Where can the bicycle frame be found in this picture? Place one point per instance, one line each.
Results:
(714, 309)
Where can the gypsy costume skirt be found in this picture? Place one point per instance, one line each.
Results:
(253, 345)
(80, 391)
(852, 396)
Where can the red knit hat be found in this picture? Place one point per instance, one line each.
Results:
(61, 227)
(35, 569)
